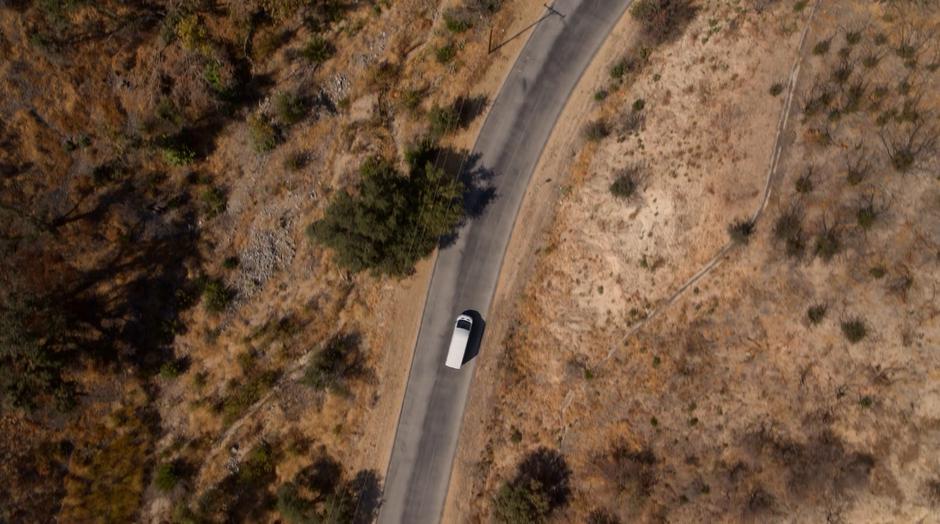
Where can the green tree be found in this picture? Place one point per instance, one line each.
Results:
(390, 221)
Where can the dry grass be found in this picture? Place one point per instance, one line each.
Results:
(775, 382)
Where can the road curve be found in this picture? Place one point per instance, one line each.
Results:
(465, 274)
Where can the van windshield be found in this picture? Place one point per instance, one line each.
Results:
(463, 324)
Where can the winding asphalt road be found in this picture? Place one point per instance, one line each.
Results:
(465, 274)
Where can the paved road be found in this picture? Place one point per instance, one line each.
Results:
(465, 274)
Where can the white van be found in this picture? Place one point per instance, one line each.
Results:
(458, 342)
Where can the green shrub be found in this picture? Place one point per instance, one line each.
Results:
(521, 504)
(289, 108)
(192, 33)
(332, 367)
(443, 120)
(621, 68)
(540, 486)
(877, 272)
(457, 20)
(445, 53)
(170, 369)
(177, 154)
(854, 329)
(258, 465)
(638, 104)
(596, 130)
(244, 394)
(263, 135)
(741, 230)
(214, 201)
(219, 79)
(816, 313)
(800, 5)
(776, 88)
(34, 337)
(600, 95)
(318, 50)
(230, 262)
(216, 296)
(166, 476)
(411, 99)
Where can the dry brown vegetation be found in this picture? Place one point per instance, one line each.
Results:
(173, 347)
(795, 380)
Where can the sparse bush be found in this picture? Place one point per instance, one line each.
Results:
(216, 296)
(663, 20)
(822, 47)
(289, 108)
(789, 223)
(295, 160)
(318, 50)
(870, 60)
(600, 95)
(854, 329)
(816, 313)
(263, 135)
(445, 53)
(384, 75)
(877, 272)
(596, 130)
(625, 184)
(741, 230)
(483, 7)
(602, 516)
(828, 243)
(933, 491)
(804, 184)
(866, 215)
(638, 104)
(632, 472)
(166, 476)
(800, 5)
(853, 37)
(776, 89)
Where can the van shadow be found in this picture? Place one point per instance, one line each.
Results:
(476, 335)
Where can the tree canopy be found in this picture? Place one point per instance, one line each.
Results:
(391, 220)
